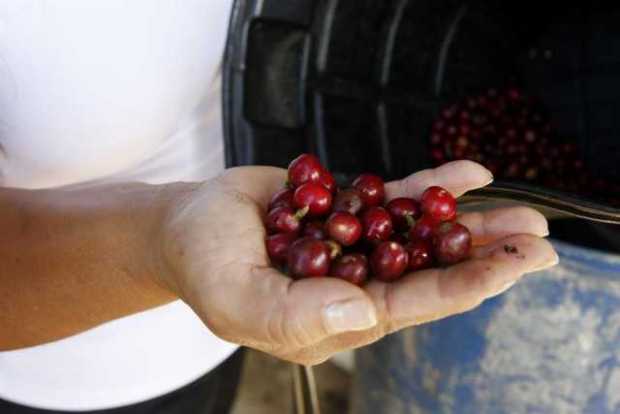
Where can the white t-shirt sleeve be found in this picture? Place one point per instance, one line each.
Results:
(100, 91)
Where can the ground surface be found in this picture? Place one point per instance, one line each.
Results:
(266, 387)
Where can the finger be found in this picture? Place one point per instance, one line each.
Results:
(277, 315)
(489, 226)
(457, 177)
(439, 293)
(435, 294)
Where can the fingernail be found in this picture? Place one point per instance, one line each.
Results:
(548, 262)
(351, 315)
(490, 179)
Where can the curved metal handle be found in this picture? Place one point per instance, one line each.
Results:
(546, 199)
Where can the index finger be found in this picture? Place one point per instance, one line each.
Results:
(457, 177)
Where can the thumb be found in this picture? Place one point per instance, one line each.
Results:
(315, 309)
(288, 315)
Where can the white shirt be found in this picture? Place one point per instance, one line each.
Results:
(99, 91)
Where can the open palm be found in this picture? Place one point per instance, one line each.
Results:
(215, 257)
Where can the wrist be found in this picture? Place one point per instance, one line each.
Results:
(164, 204)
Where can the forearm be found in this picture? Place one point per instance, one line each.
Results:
(73, 259)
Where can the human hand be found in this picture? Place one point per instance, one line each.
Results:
(213, 245)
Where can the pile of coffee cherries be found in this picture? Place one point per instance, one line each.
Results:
(318, 230)
(512, 135)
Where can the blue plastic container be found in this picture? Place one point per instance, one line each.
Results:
(550, 345)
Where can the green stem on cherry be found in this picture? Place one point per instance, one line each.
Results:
(300, 214)
(335, 249)
(410, 221)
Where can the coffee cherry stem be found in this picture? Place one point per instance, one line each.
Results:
(335, 249)
(410, 221)
(302, 212)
